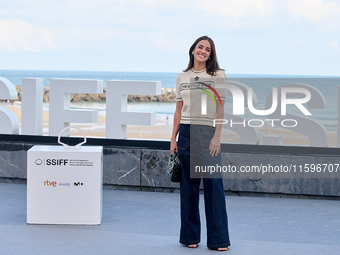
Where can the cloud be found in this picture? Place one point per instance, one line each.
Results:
(18, 35)
(302, 47)
(334, 46)
(312, 10)
(135, 13)
(324, 14)
(138, 31)
(240, 12)
(91, 25)
(297, 41)
(168, 42)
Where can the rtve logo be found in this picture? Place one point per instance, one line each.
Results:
(48, 183)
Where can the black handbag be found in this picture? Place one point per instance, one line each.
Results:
(174, 169)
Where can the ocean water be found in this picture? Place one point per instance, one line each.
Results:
(168, 79)
(164, 111)
(262, 85)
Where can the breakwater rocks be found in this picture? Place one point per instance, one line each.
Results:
(167, 95)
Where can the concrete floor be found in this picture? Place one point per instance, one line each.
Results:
(136, 222)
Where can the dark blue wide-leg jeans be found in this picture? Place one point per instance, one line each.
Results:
(193, 150)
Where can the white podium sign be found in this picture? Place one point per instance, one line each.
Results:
(64, 186)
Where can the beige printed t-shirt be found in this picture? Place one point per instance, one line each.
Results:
(199, 95)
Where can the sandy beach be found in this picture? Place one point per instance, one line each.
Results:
(162, 130)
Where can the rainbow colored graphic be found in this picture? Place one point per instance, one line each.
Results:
(209, 93)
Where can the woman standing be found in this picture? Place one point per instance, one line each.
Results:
(199, 145)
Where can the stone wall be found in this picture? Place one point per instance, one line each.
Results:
(144, 168)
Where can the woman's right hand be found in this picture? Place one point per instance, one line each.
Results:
(173, 147)
(175, 129)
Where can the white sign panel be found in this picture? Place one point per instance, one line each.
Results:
(64, 186)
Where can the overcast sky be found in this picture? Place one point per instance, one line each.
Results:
(252, 36)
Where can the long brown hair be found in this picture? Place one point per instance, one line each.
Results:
(212, 63)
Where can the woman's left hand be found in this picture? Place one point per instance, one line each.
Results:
(214, 146)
